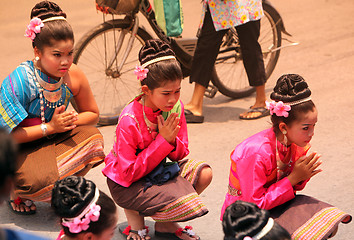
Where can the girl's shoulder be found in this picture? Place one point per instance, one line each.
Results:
(130, 115)
(21, 79)
(260, 143)
(76, 79)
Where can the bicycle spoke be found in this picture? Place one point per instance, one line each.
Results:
(100, 59)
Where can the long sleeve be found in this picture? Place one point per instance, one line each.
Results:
(129, 161)
(253, 178)
(181, 149)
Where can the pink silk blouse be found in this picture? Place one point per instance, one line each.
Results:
(253, 172)
(135, 153)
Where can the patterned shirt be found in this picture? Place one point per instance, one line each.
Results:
(19, 98)
(232, 13)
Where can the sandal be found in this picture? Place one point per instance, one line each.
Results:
(191, 118)
(18, 202)
(142, 232)
(262, 110)
(167, 235)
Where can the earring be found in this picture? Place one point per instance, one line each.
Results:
(36, 59)
(285, 138)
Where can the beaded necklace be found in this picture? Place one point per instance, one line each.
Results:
(52, 92)
(283, 169)
(51, 97)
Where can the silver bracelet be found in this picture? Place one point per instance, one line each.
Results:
(44, 129)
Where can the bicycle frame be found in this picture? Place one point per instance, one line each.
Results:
(115, 61)
(184, 48)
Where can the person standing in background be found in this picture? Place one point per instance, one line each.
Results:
(218, 17)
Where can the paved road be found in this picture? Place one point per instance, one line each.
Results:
(324, 58)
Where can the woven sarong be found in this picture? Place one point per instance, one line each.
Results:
(45, 161)
(308, 218)
(174, 201)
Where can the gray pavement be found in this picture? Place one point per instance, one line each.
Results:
(324, 57)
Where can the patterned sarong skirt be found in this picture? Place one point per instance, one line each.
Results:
(307, 218)
(174, 201)
(45, 161)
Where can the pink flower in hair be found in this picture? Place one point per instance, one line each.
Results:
(247, 238)
(279, 108)
(33, 27)
(141, 72)
(77, 225)
(94, 213)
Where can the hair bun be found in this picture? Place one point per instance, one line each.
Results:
(244, 219)
(290, 88)
(153, 49)
(72, 195)
(46, 9)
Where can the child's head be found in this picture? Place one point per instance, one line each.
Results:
(160, 75)
(8, 157)
(55, 27)
(84, 209)
(292, 105)
(158, 57)
(246, 221)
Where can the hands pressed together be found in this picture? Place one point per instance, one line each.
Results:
(62, 120)
(169, 129)
(305, 168)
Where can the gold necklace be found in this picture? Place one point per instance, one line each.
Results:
(54, 96)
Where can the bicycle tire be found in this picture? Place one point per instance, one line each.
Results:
(111, 88)
(230, 76)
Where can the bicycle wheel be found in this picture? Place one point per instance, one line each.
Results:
(229, 74)
(98, 57)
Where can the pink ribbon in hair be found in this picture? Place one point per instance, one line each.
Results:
(33, 27)
(279, 108)
(78, 225)
(141, 72)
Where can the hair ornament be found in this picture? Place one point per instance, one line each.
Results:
(158, 60)
(91, 214)
(33, 27)
(247, 238)
(279, 108)
(298, 101)
(265, 229)
(36, 24)
(54, 19)
(141, 72)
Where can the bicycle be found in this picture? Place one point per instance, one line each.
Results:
(108, 54)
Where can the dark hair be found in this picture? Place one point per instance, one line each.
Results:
(52, 30)
(8, 156)
(73, 194)
(291, 88)
(243, 219)
(162, 71)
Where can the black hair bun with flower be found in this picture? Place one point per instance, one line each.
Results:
(47, 9)
(290, 88)
(71, 195)
(243, 219)
(154, 48)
